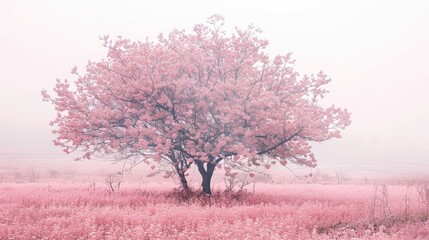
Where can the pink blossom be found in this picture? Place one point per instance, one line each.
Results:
(200, 97)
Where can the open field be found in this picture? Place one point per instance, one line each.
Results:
(52, 210)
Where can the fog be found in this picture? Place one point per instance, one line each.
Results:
(377, 54)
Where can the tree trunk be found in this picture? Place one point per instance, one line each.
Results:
(206, 175)
(183, 180)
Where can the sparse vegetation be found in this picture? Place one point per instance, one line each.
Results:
(113, 181)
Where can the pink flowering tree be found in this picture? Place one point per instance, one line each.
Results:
(201, 99)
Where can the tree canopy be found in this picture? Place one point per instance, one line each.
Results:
(204, 97)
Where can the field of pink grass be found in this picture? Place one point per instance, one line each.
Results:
(291, 211)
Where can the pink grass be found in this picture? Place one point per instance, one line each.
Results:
(79, 211)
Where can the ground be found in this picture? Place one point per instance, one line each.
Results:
(54, 210)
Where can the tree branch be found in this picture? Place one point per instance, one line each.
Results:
(278, 144)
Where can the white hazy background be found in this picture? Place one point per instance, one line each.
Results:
(376, 52)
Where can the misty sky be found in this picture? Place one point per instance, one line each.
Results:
(376, 52)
